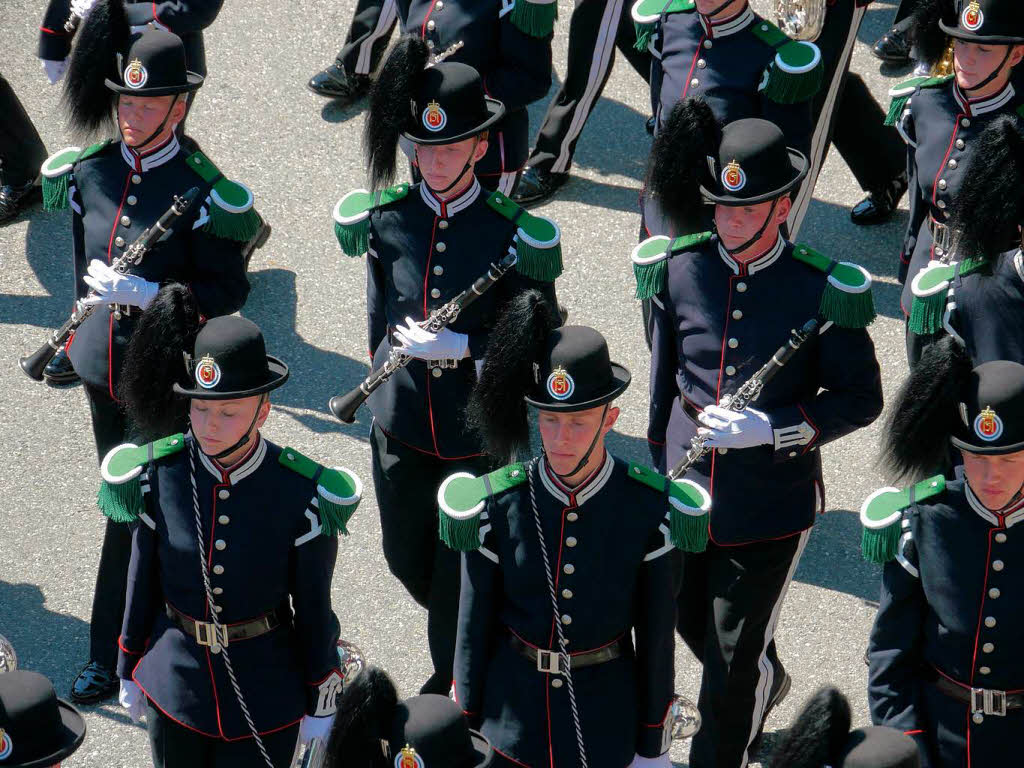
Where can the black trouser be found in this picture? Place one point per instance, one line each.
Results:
(22, 152)
(368, 36)
(109, 428)
(874, 151)
(597, 27)
(175, 746)
(728, 608)
(406, 483)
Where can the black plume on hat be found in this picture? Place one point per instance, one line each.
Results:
(819, 733)
(104, 34)
(390, 99)
(930, 42)
(365, 711)
(990, 205)
(678, 166)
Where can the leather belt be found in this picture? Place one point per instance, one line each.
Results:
(983, 701)
(551, 661)
(205, 633)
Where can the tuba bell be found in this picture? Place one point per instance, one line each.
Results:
(8, 658)
(801, 19)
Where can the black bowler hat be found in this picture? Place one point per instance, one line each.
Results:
(154, 66)
(231, 361)
(878, 747)
(450, 105)
(753, 165)
(996, 22)
(992, 409)
(430, 731)
(575, 372)
(36, 728)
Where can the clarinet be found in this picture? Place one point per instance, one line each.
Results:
(34, 364)
(344, 407)
(747, 393)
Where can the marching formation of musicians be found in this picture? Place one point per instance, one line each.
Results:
(551, 616)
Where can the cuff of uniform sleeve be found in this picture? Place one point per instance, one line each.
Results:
(53, 45)
(793, 432)
(322, 696)
(139, 14)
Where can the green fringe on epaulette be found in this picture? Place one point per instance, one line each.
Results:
(55, 192)
(650, 278)
(847, 310)
(540, 264)
(689, 533)
(926, 313)
(334, 517)
(354, 239)
(232, 226)
(788, 88)
(643, 35)
(460, 535)
(122, 503)
(896, 106)
(879, 545)
(534, 19)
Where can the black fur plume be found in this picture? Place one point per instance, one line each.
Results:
(365, 712)
(678, 162)
(990, 205)
(924, 414)
(390, 110)
(153, 363)
(496, 408)
(930, 42)
(104, 34)
(819, 734)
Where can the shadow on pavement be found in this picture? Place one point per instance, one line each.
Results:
(48, 252)
(833, 560)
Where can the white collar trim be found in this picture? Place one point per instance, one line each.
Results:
(450, 207)
(729, 26)
(590, 489)
(153, 159)
(983, 511)
(241, 471)
(991, 104)
(764, 261)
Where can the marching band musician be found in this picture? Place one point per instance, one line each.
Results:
(425, 243)
(721, 302)
(117, 189)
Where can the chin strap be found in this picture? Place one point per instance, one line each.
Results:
(707, 16)
(466, 167)
(244, 439)
(995, 72)
(757, 235)
(159, 128)
(590, 450)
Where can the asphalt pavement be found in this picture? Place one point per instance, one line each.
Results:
(299, 153)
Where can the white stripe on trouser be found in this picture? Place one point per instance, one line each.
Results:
(506, 181)
(388, 12)
(604, 47)
(823, 129)
(764, 684)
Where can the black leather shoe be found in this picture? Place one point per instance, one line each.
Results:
(649, 126)
(13, 199)
(94, 684)
(878, 206)
(780, 689)
(536, 186)
(892, 48)
(59, 370)
(335, 83)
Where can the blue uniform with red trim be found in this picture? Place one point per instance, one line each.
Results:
(950, 608)
(266, 554)
(616, 577)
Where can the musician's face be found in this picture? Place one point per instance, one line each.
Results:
(995, 480)
(736, 224)
(139, 116)
(706, 7)
(219, 424)
(442, 164)
(973, 63)
(567, 436)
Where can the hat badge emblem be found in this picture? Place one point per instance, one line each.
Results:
(734, 178)
(409, 758)
(135, 75)
(207, 372)
(6, 744)
(988, 426)
(560, 384)
(434, 118)
(972, 17)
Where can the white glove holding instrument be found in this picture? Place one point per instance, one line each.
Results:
(314, 728)
(54, 70)
(661, 761)
(133, 699)
(735, 429)
(114, 288)
(424, 345)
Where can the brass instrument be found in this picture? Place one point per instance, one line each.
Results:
(801, 19)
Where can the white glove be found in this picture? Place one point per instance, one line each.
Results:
(661, 761)
(81, 8)
(735, 429)
(133, 699)
(314, 728)
(114, 288)
(424, 345)
(54, 70)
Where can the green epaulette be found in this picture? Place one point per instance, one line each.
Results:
(538, 240)
(650, 260)
(931, 288)
(56, 173)
(688, 507)
(229, 213)
(900, 94)
(847, 299)
(338, 490)
(881, 512)
(535, 18)
(120, 496)
(796, 73)
(462, 497)
(352, 216)
(646, 13)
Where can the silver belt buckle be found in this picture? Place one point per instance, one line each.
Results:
(988, 702)
(121, 310)
(207, 634)
(447, 363)
(941, 235)
(549, 661)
